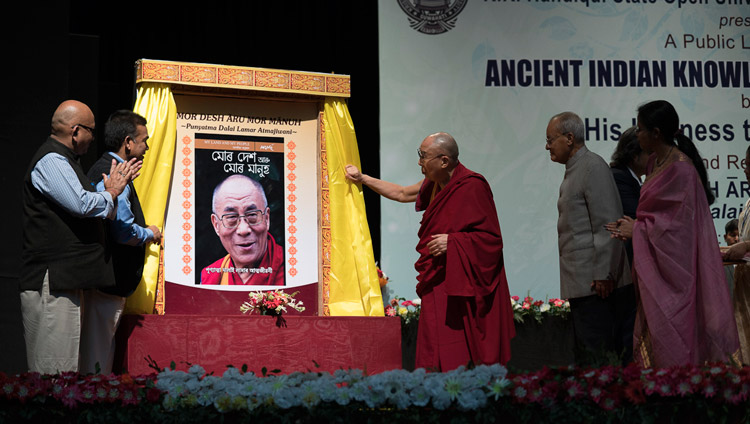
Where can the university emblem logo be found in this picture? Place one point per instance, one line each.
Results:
(432, 16)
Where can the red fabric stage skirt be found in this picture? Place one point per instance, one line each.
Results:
(292, 343)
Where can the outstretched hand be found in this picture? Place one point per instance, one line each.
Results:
(353, 174)
(157, 234)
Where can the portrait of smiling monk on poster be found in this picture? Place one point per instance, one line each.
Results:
(241, 219)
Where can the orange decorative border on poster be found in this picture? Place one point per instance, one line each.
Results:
(186, 205)
(292, 208)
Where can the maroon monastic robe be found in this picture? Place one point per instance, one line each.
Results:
(466, 313)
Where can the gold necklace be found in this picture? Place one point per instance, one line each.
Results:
(665, 157)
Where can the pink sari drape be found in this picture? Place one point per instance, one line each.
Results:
(684, 310)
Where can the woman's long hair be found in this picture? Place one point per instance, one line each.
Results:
(662, 115)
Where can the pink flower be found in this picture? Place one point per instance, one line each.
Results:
(649, 386)
(23, 392)
(608, 403)
(683, 388)
(515, 298)
(573, 389)
(8, 389)
(87, 395)
(70, 396)
(526, 305)
(550, 389)
(101, 392)
(129, 397)
(715, 370)
(634, 392)
(604, 378)
(153, 394)
(389, 311)
(734, 378)
(709, 390)
(665, 389)
(696, 379)
(57, 389)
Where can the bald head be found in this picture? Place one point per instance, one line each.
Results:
(438, 157)
(446, 144)
(68, 114)
(73, 125)
(569, 122)
(237, 184)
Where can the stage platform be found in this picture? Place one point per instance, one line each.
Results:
(295, 343)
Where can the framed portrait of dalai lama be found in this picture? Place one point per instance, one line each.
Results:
(248, 206)
(248, 167)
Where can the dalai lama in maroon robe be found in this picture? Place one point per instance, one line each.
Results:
(466, 314)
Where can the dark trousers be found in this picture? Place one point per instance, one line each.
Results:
(604, 327)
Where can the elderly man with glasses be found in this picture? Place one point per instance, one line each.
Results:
(466, 316)
(594, 269)
(241, 220)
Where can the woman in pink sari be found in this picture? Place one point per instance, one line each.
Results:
(683, 317)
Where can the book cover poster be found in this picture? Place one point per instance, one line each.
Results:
(243, 206)
(239, 210)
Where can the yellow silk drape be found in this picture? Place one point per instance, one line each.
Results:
(155, 102)
(354, 289)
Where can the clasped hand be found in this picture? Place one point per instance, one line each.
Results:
(603, 288)
(438, 245)
(622, 228)
(735, 252)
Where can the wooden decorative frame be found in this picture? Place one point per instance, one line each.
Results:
(242, 78)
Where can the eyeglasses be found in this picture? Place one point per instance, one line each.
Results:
(91, 130)
(232, 220)
(549, 141)
(423, 156)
